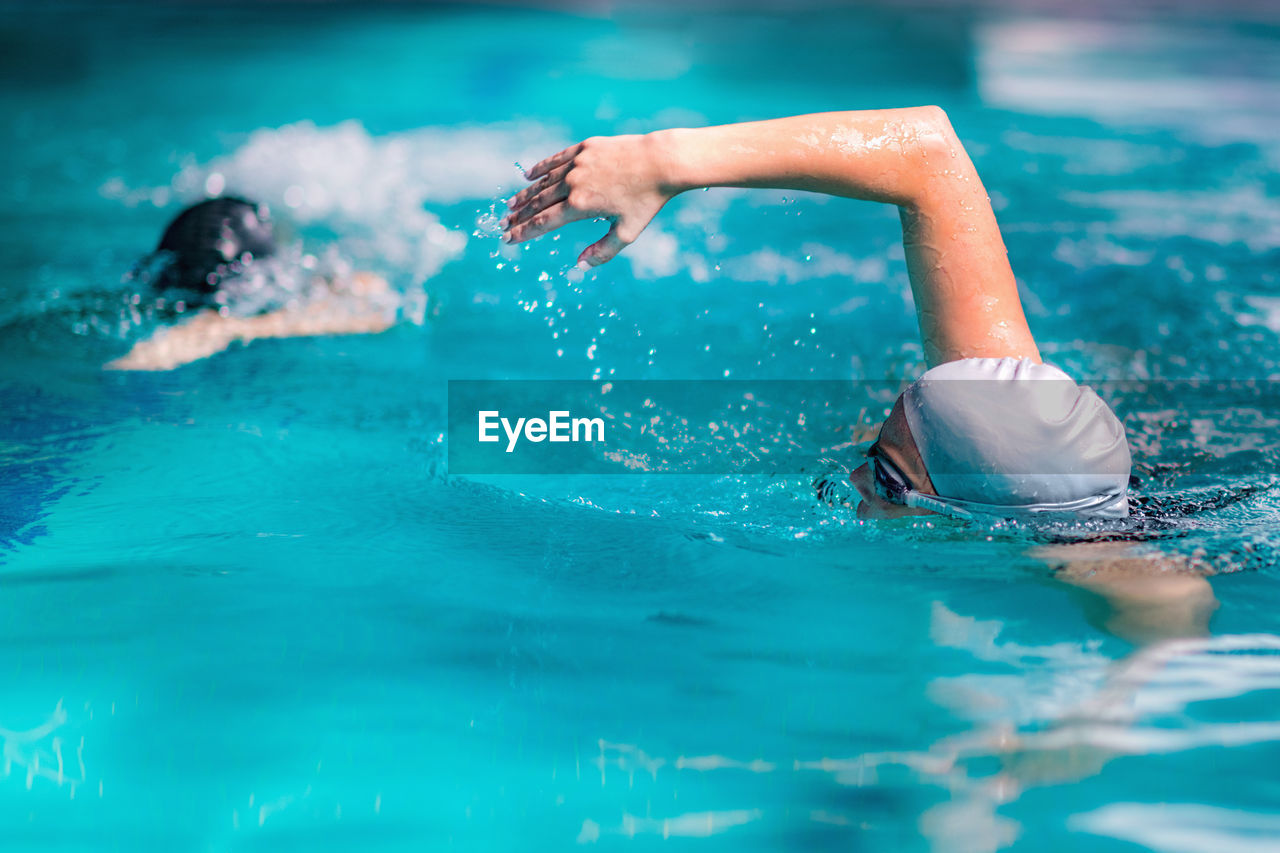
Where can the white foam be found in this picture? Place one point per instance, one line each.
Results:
(1243, 214)
(813, 260)
(656, 254)
(1265, 311)
(374, 191)
(1148, 74)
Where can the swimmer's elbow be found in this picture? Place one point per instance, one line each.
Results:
(944, 165)
(935, 135)
(933, 117)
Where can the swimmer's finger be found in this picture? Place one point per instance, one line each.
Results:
(540, 223)
(553, 194)
(542, 167)
(603, 249)
(554, 176)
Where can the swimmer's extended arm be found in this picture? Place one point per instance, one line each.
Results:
(208, 332)
(965, 294)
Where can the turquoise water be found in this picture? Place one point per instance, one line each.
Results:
(246, 606)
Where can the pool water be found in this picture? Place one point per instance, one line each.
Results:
(248, 607)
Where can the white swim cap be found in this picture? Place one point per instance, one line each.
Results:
(1007, 436)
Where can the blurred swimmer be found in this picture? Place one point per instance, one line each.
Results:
(213, 257)
(988, 430)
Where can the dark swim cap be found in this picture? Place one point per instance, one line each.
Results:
(214, 239)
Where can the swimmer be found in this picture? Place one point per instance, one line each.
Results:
(207, 253)
(989, 430)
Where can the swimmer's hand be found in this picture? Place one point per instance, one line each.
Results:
(359, 305)
(621, 178)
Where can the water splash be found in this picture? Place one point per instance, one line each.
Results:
(372, 191)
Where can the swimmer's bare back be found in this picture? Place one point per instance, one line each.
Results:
(356, 306)
(966, 297)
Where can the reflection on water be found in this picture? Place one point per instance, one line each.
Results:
(1088, 712)
(1048, 715)
(689, 825)
(1183, 827)
(42, 752)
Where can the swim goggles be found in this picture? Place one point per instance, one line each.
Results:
(893, 485)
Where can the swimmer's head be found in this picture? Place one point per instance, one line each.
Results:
(213, 240)
(894, 450)
(998, 437)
